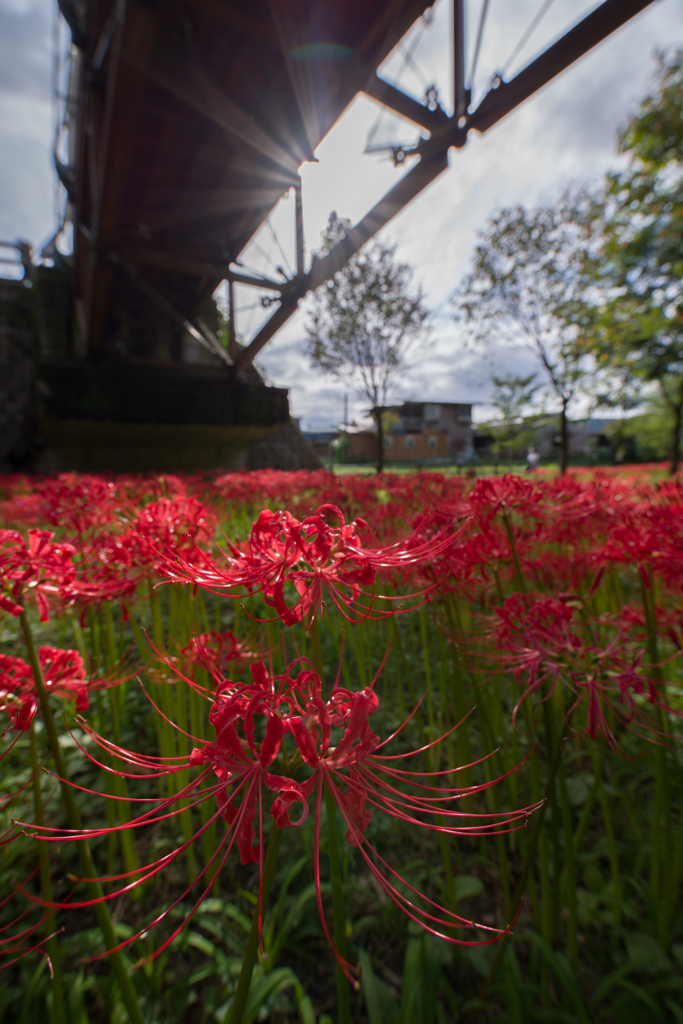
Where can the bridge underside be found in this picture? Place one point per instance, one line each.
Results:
(192, 120)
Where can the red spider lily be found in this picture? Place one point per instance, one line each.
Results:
(262, 486)
(74, 501)
(476, 559)
(114, 564)
(37, 567)
(216, 652)
(313, 556)
(491, 494)
(176, 522)
(610, 692)
(110, 567)
(650, 538)
(64, 674)
(78, 502)
(298, 754)
(17, 692)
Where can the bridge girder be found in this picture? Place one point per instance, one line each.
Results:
(194, 119)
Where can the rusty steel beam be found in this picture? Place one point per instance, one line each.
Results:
(232, 340)
(599, 24)
(181, 76)
(145, 257)
(459, 91)
(389, 96)
(299, 228)
(108, 155)
(202, 334)
(410, 186)
(445, 132)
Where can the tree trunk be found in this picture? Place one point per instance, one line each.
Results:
(564, 439)
(380, 439)
(676, 434)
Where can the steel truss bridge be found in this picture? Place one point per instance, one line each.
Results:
(194, 117)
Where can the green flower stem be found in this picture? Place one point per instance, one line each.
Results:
(519, 578)
(463, 746)
(662, 854)
(109, 791)
(120, 787)
(408, 676)
(428, 675)
(314, 633)
(554, 825)
(52, 945)
(589, 804)
(236, 1011)
(569, 868)
(100, 908)
(521, 884)
(540, 909)
(339, 916)
(617, 888)
(493, 801)
(567, 894)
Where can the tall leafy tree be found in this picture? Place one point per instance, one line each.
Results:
(364, 322)
(512, 396)
(528, 268)
(636, 323)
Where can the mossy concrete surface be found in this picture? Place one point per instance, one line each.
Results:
(101, 446)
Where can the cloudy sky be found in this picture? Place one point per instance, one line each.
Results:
(564, 134)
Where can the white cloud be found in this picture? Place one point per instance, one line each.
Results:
(26, 210)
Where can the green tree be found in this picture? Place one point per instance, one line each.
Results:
(528, 269)
(512, 396)
(364, 322)
(645, 436)
(636, 323)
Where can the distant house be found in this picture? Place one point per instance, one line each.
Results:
(428, 432)
(587, 439)
(321, 442)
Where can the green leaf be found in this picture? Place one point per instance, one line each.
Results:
(306, 1010)
(268, 986)
(593, 878)
(466, 886)
(201, 943)
(578, 789)
(370, 989)
(645, 953)
(516, 1005)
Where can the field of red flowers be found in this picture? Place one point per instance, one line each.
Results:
(304, 747)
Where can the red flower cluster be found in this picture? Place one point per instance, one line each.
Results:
(64, 674)
(215, 652)
(539, 639)
(278, 735)
(314, 557)
(38, 567)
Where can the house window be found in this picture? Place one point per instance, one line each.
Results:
(432, 412)
(388, 442)
(464, 413)
(409, 441)
(432, 441)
